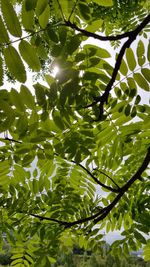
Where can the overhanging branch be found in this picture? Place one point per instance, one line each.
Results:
(100, 215)
(104, 97)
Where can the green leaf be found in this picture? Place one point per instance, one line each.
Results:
(4, 38)
(57, 119)
(29, 55)
(1, 72)
(148, 52)
(27, 97)
(140, 53)
(146, 251)
(94, 26)
(29, 5)
(141, 81)
(11, 18)
(14, 63)
(40, 94)
(140, 49)
(73, 44)
(130, 59)
(97, 51)
(27, 18)
(40, 6)
(17, 100)
(123, 68)
(84, 11)
(44, 17)
(146, 74)
(139, 237)
(52, 34)
(106, 3)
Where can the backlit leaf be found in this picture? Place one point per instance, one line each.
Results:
(27, 97)
(141, 81)
(4, 38)
(17, 100)
(11, 18)
(146, 74)
(104, 3)
(130, 59)
(40, 6)
(15, 64)
(44, 17)
(123, 68)
(29, 55)
(1, 72)
(27, 18)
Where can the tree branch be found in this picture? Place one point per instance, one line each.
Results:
(99, 182)
(125, 188)
(68, 23)
(108, 177)
(104, 97)
(100, 215)
(93, 177)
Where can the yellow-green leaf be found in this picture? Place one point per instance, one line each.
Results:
(1, 72)
(29, 55)
(40, 6)
(15, 64)
(44, 17)
(27, 97)
(4, 38)
(27, 18)
(146, 74)
(16, 100)
(141, 81)
(104, 2)
(130, 59)
(11, 19)
(140, 49)
(94, 26)
(123, 68)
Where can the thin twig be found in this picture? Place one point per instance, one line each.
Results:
(108, 177)
(98, 182)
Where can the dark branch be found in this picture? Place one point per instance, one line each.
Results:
(125, 188)
(108, 177)
(93, 177)
(99, 182)
(100, 215)
(94, 35)
(104, 97)
(68, 23)
(12, 140)
(48, 219)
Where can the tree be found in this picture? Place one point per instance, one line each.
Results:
(86, 129)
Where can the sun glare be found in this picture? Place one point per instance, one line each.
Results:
(55, 70)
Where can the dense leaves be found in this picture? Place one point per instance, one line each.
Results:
(74, 147)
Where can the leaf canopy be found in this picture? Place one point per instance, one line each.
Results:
(74, 145)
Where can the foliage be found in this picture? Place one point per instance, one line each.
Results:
(75, 153)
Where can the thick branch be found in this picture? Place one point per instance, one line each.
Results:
(68, 23)
(104, 97)
(100, 215)
(95, 35)
(125, 188)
